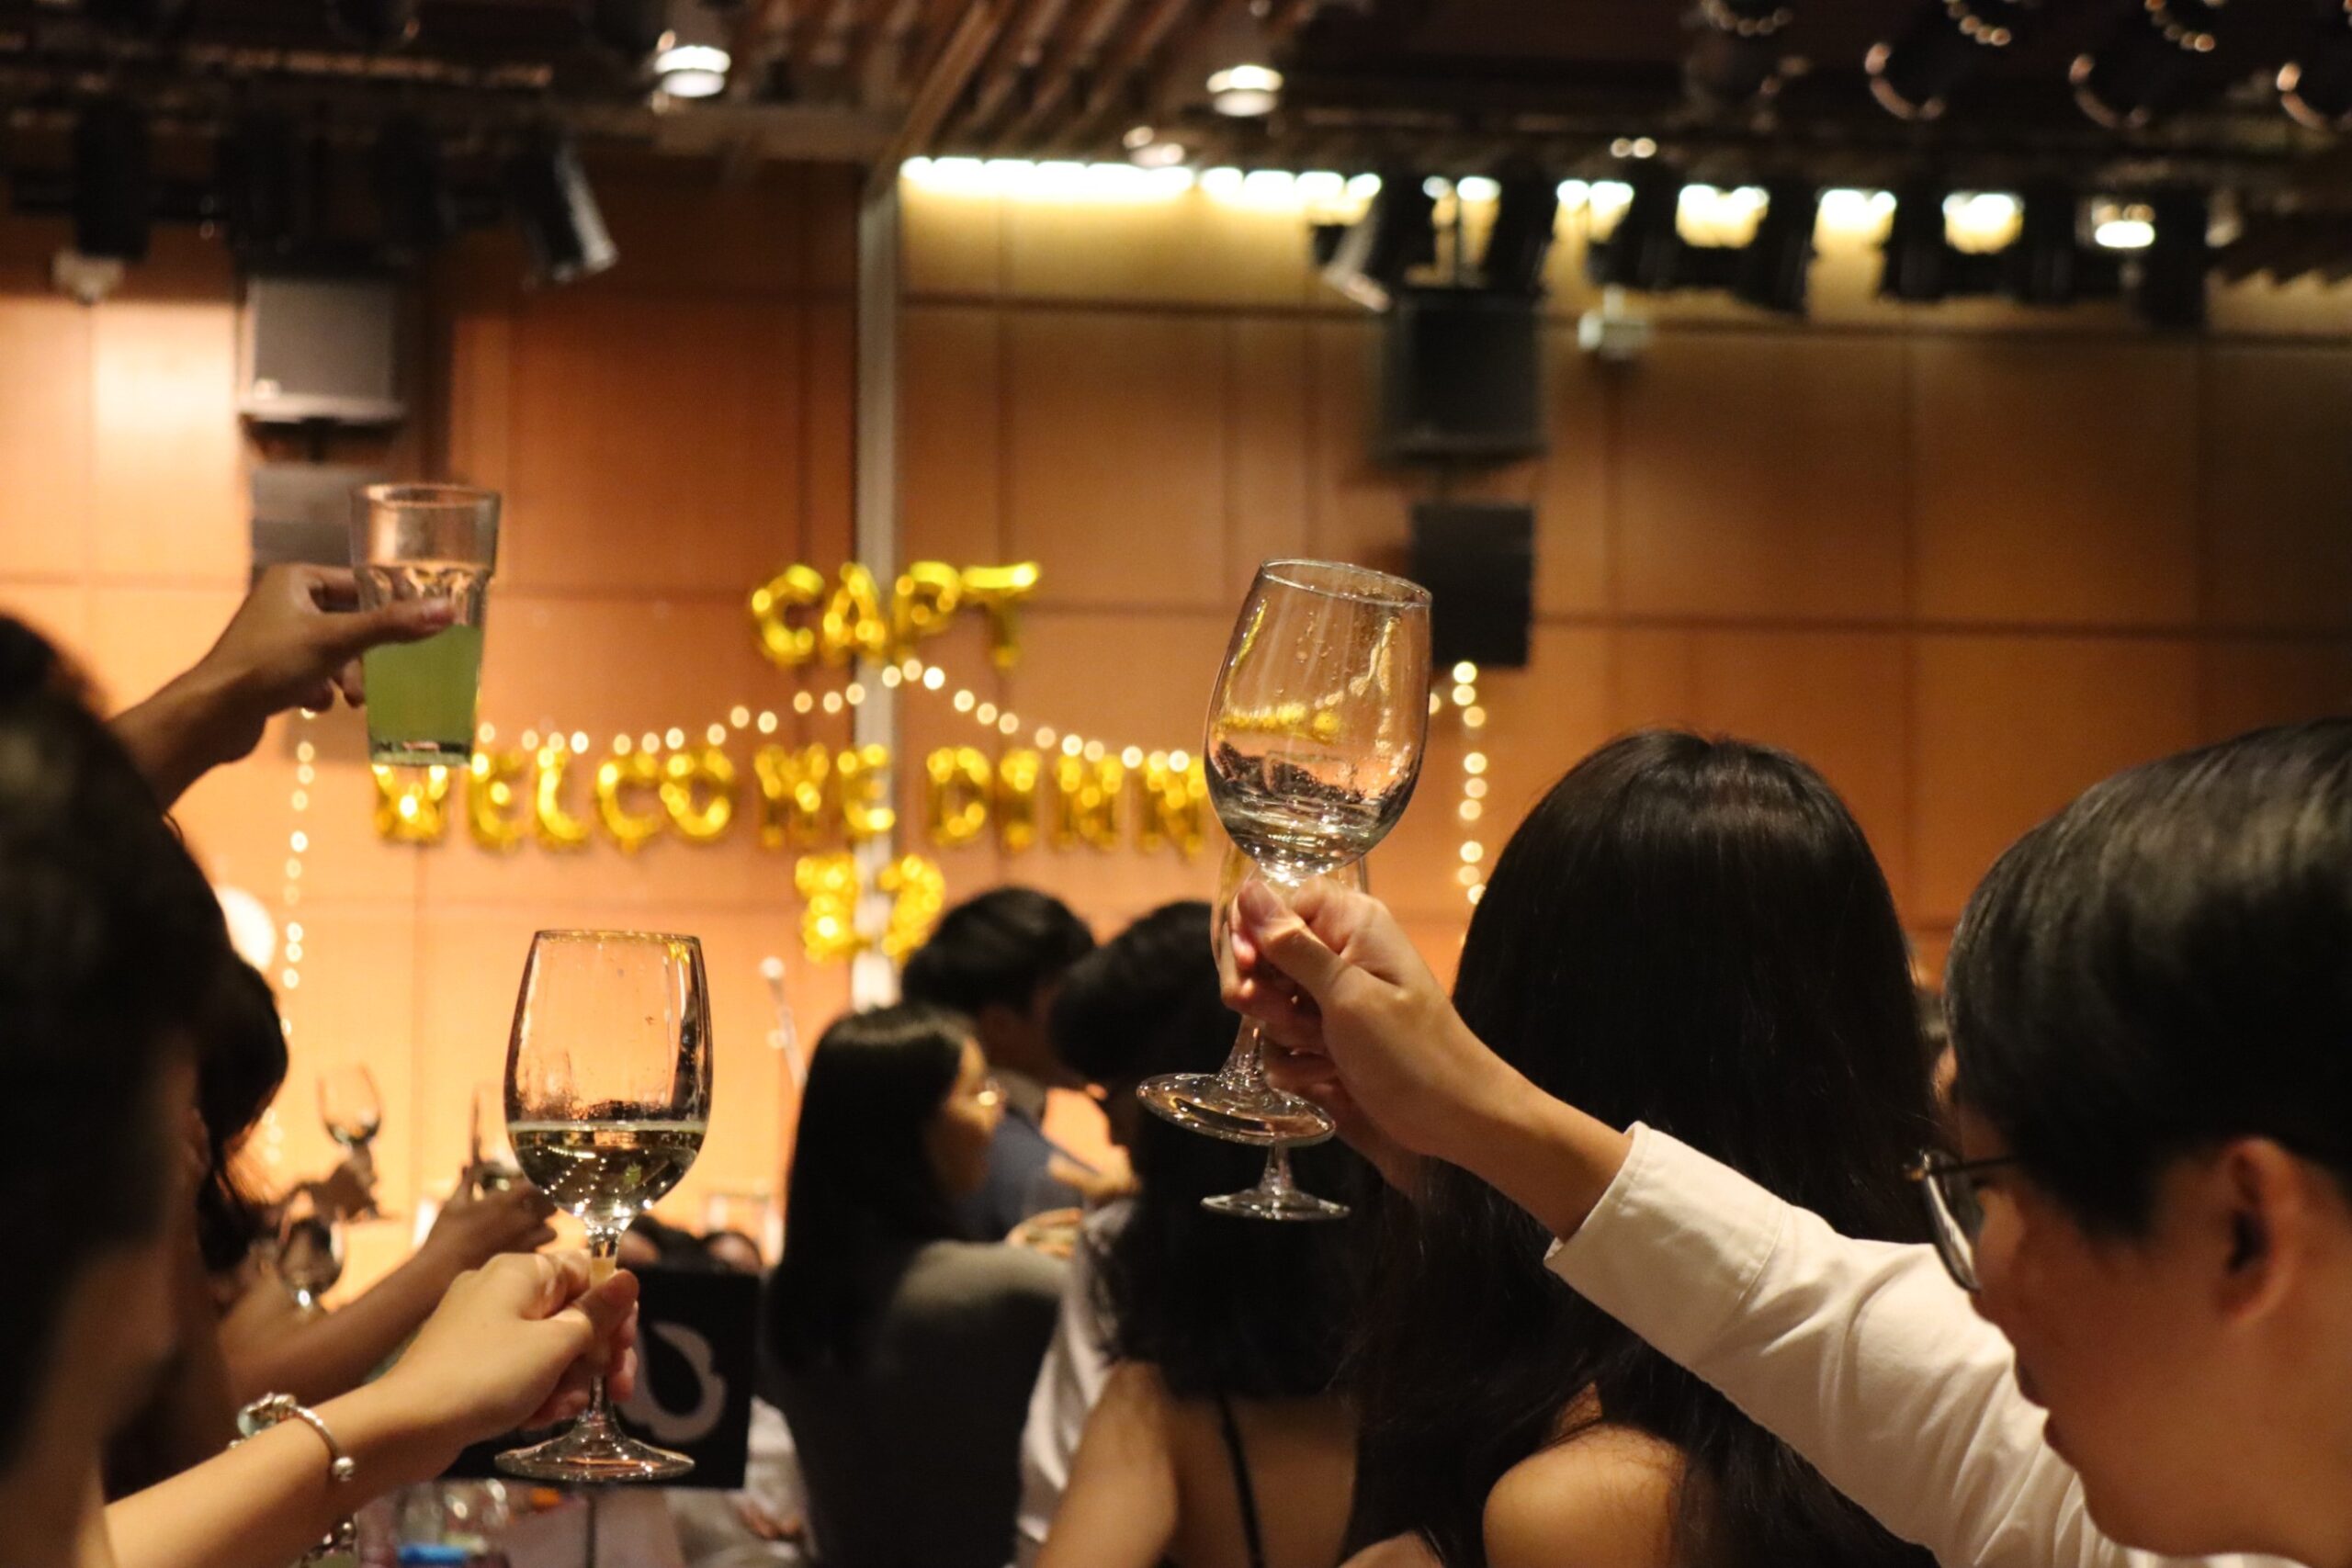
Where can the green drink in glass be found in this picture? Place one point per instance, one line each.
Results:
(425, 542)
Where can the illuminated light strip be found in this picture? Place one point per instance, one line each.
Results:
(289, 897)
(1471, 874)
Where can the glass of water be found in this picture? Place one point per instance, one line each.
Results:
(425, 542)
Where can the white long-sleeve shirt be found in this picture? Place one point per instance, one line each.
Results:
(1859, 1355)
(1070, 1381)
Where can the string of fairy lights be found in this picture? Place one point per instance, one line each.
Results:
(1471, 874)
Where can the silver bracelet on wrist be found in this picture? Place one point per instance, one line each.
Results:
(275, 1409)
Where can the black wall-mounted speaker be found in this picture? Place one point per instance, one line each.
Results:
(1460, 377)
(1477, 560)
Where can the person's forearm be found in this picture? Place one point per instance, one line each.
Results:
(176, 735)
(1548, 1157)
(327, 1356)
(267, 1501)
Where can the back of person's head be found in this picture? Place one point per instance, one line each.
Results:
(2161, 967)
(1217, 1304)
(240, 1066)
(1690, 933)
(110, 943)
(863, 1188)
(996, 950)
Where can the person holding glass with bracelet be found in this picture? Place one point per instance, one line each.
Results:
(112, 944)
(2151, 1219)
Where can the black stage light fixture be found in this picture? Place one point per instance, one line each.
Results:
(1736, 57)
(1397, 233)
(266, 187)
(631, 28)
(1645, 252)
(2156, 59)
(1774, 264)
(1526, 212)
(1945, 42)
(378, 24)
(2315, 84)
(152, 18)
(416, 208)
(2048, 263)
(2168, 284)
(114, 181)
(548, 193)
(1915, 263)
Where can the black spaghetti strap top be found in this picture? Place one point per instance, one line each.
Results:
(1242, 1492)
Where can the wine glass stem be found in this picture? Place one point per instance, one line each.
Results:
(604, 1250)
(1276, 1180)
(1245, 1068)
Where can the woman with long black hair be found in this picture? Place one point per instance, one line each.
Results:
(1692, 933)
(900, 1353)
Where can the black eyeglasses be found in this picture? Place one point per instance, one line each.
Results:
(1955, 1212)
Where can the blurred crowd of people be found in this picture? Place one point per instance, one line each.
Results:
(1678, 1233)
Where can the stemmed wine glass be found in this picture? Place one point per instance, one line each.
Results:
(1276, 1196)
(352, 1113)
(309, 1249)
(1314, 740)
(607, 1099)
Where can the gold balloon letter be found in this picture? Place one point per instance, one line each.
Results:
(794, 785)
(408, 804)
(918, 892)
(863, 777)
(855, 626)
(796, 587)
(558, 828)
(616, 776)
(957, 798)
(827, 888)
(685, 776)
(1016, 800)
(997, 590)
(490, 800)
(1175, 808)
(922, 603)
(1086, 802)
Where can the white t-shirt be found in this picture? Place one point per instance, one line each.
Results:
(1078, 1360)
(1861, 1355)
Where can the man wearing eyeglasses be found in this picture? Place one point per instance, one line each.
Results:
(2150, 1215)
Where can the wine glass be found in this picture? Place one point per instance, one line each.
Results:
(309, 1249)
(607, 1099)
(490, 1157)
(1276, 1196)
(1314, 740)
(352, 1113)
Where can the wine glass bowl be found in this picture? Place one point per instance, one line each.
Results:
(309, 1249)
(1316, 733)
(607, 1100)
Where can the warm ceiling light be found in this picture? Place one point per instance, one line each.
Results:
(2121, 226)
(1245, 91)
(1146, 151)
(692, 70)
(1138, 136)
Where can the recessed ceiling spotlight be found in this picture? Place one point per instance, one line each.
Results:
(1244, 91)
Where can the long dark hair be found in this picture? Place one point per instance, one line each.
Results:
(863, 1193)
(1217, 1304)
(1691, 933)
(240, 1064)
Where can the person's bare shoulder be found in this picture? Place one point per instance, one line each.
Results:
(1397, 1552)
(1603, 1499)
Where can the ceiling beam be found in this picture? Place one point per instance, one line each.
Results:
(1018, 53)
(967, 44)
(1127, 58)
(1081, 38)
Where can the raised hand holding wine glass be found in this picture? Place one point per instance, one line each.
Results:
(1314, 740)
(607, 1099)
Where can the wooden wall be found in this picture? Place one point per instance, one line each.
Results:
(667, 435)
(1964, 558)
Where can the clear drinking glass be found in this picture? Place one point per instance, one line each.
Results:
(352, 1113)
(309, 1249)
(425, 542)
(1314, 740)
(490, 1157)
(607, 1099)
(1276, 1196)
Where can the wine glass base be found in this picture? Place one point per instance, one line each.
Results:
(1260, 1203)
(1204, 1102)
(593, 1457)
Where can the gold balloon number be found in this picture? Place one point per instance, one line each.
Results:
(848, 616)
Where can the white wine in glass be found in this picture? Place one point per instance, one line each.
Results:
(1315, 738)
(607, 1099)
